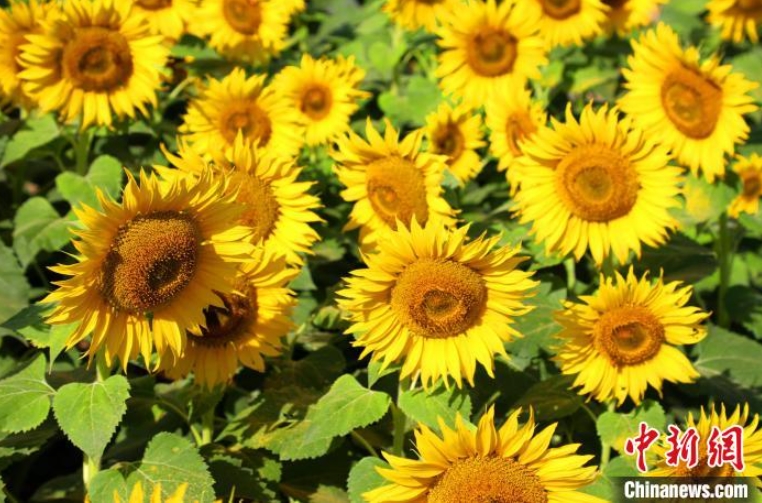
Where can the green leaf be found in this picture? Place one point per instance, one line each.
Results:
(725, 353)
(538, 326)
(745, 306)
(328, 494)
(615, 428)
(38, 227)
(749, 63)
(36, 132)
(14, 288)
(25, 398)
(427, 407)
(89, 413)
(552, 398)
(364, 477)
(411, 105)
(105, 483)
(682, 259)
(605, 486)
(105, 173)
(173, 460)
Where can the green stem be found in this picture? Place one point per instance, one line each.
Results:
(605, 447)
(725, 257)
(366, 445)
(571, 274)
(82, 151)
(91, 466)
(207, 427)
(607, 267)
(400, 422)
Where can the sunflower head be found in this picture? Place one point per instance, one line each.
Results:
(168, 18)
(737, 19)
(749, 170)
(570, 22)
(624, 16)
(415, 14)
(456, 133)
(137, 495)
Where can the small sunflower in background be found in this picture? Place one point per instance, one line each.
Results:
(485, 46)
(148, 266)
(622, 339)
(749, 170)
(169, 18)
(415, 14)
(510, 464)
(95, 60)
(389, 181)
(456, 132)
(237, 104)
(137, 495)
(624, 16)
(569, 22)
(436, 301)
(325, 94)
(738, 19)
(246, 328)
(596, 184)
(696, 109)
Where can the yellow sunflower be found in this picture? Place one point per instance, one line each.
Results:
(137, 495)
(626, 15)
(239, 104)
(510, 464)
(456, 132)
(252, 31)
(414, 14)
(596, 184)
(749, 170)
(166, 17)
(325, 94)
(389, 181)
(248, 327)
(737, 18)
(96, 59)
(16, 22)
(147, 267)
(570, 22)
(621, 340)
(436, 301)
(273, 203)
(694, 108)
(486, 46)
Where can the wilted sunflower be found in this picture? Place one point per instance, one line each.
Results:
(626, 15)
(149, 266)
(96, 59)
(273, 203)
(414, 14)
(620, 340)
(510, 464)
(436, 301)
(248, 327)
(239, 104)
(737, 18)
(19, 20)
(166, 17)
(137, 496)
(569, 22)
(696, 109)
(247, 30)
(389, 181)
(325, 94)
(456, 132)
(749, 170)
(486, 46)
(598, 183)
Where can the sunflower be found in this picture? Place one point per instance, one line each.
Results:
(166, 17)
(325, 94)
(626, 15)
(414, 14)
(487, 46)
(570, 22)
(737, 18)
(598, 183)
(437, 302)
(273, 203)
(509, 464)
(696, 109)
(137, 496)
(18, 21)
(749, 169)
(149, 266)
(239, 104)
(96, 59)
(389, 181)
(620, 340)
(456, 132)
(252, 31)
(248, 327)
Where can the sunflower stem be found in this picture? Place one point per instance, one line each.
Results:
(364, 443)
(91, 466)
(571, 274)
(400, 422)
(605, 446)
(82, 151)
(207, 427)
(725, 257)
(607, 267)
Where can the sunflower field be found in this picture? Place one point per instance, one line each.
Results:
(409, 251)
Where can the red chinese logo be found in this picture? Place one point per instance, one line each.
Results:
(641, 443)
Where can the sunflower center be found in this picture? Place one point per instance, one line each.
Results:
(490, 479)
(692, 102)
(517, 128)
(262, 209)
(97, 59)
(449, 141)
(316, 102)
(249, 119)
(615, 4)
(630, 335)
(154, 4)
(561, 9)
(597, 183)
(226, 324)
(396, 190)
(492, 52)
(702, 470)
(244, 16)
(151, 260)
(749, 6)
(438, 299)
(752, 185)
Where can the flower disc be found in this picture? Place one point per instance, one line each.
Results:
(570, 22)
(456, 133)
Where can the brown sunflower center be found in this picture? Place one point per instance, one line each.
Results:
(561, 9)
(490, 479)
(154, 4)
(492, 52)
(449, 140)
(439, 299)
(316, 102)
(226, 324)
(244, 16)
(692, 102)
(597, 183)
(629, 335)
(396, 190)
(751, 7)
(702, 470)
(249, 119)
(151, 260)
(752, 184)
(97, 59)
(262, 209)
(615, 4)
(518, 127)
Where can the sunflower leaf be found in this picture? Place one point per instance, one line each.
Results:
(104, 484)
(724, 353)
(25, 398)
(14, 288)
(38, 226)
(364, 477)
(614, 428)
(427, 407)
(36, 132)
